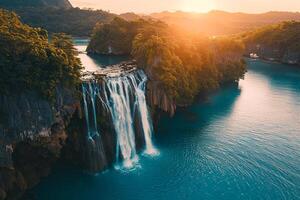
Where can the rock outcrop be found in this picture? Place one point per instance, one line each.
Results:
(117, 121)
(158, 99)
(35, 133)
(32, 134)
(270, 53)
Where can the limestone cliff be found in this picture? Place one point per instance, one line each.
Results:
(35, 133)
(271, 53)
(279, 42)
(157, 98)
(32, 134)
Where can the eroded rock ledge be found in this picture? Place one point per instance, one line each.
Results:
(273, 54)
(35, 133)
(156, 96)
(117, 70)
(32, 134)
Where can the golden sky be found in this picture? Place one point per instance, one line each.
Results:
(149, 6)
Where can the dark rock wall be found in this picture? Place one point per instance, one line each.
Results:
(36, 133)
(100, 152)
(158, 99)
(32, 134)
(273, 53)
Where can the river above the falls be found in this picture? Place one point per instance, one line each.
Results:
(93, 62)
(242, 142)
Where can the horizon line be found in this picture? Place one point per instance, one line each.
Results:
(185, 11)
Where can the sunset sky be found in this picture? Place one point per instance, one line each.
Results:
(149, 6)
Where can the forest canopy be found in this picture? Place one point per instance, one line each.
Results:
(116, 36)
(28, 61)
(183, 64)
(72, 21)
(285, 35)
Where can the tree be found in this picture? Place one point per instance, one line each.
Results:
(29, 62)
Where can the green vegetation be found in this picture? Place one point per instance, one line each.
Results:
(228, 58)
(36, 3)
(73, 21)
(183, 64)
(284, 36)
(28, 61)
(58, 16)
(116, 37)
(186, 66)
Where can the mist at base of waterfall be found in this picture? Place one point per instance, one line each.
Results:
(124, 98)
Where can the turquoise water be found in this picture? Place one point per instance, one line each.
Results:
(93, 62)
(243, 142)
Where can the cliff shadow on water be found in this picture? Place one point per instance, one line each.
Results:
(214, 106)
(279, 75)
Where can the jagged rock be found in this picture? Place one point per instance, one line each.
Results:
(2, 194)
(12, 183)
(117, 70)
(35, 133)
(32, 134)
(270, 53)
(157, 98)
(117, 95)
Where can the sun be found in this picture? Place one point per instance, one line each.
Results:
(198, 5)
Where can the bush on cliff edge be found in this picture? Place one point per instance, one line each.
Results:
(28, 61)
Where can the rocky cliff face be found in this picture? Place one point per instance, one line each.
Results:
(271, 53)
(157, 98)
(35, 133)
(117, 120)
(32, 134)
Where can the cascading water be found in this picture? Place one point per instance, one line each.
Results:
(123, 97)
(142, 108)
(95, 151)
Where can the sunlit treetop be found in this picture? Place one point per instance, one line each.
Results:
(28, 61)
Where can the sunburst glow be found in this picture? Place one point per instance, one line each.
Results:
(149, 6)
(198, 5)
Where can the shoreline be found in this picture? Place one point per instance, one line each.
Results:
(268, 60)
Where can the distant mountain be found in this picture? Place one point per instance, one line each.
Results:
(130, 16)
(57, 16)
(35, 3)
(220, 22)
(73, 21)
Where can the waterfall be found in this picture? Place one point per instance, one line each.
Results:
(120, 108)
(143, 111)
(123, 97)
(90, 91)
(95, 155)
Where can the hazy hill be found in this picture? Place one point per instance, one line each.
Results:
(280, 42)
(220, 22)
(73, 21)
(57, 16)
(130, 16)
(35, 3)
